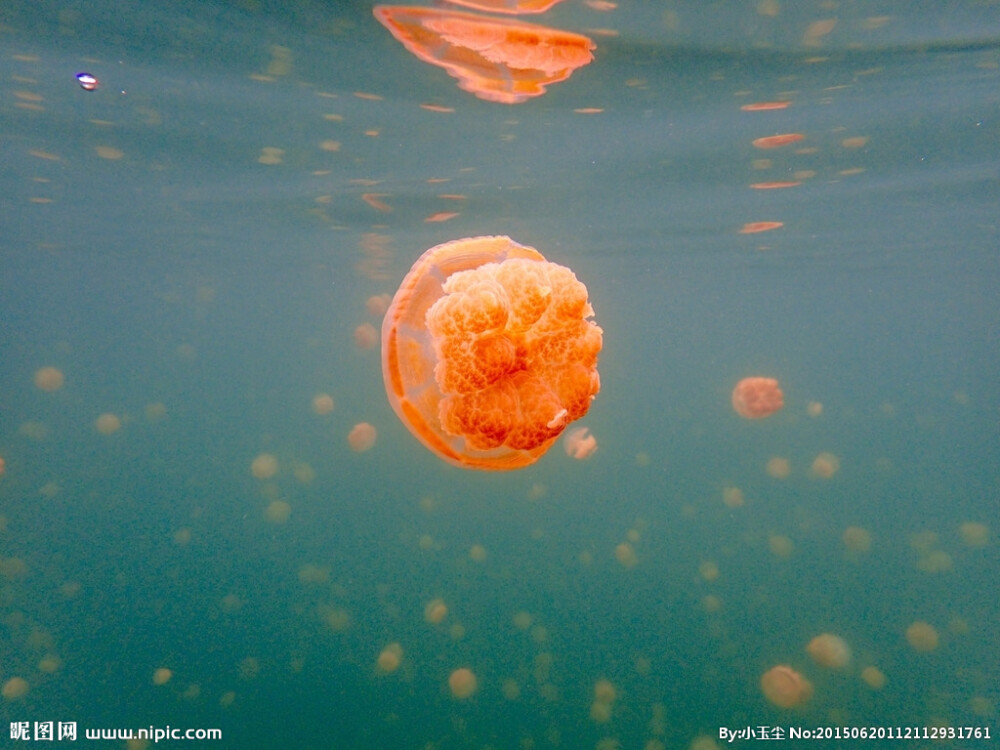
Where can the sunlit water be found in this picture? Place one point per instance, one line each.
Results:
(191, 247)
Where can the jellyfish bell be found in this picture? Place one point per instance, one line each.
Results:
(830, 651)
(496, 59)
(362, 437)
(49, 379)
(784, 687)
(513, 7)
(462, 683)
(756, 398)
(874, 677)
(488, 352)
(922, 636)
(777, 141)
(389, 659)
(580, 443)
(14, 688)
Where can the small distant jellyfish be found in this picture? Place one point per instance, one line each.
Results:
(922, 636)
(365, 336)
(389, 659)
(604, 691)
(435, 611)
(830, 651)
(756, 398)
(108, 423)
(780, 545)
(732, 497)
(778, 467)
(87, 81)
(49, 379)
(362, 437)
(974, 534)
(264, 466)
(874, 677)
(162, 676)
(625, 554)
(825, 465)
(462, 683)
(784, 687)
(322, 404)
(600, 712)
(14, 688)
(580, 443)
(857, 540)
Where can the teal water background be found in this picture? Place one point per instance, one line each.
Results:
(148, 254)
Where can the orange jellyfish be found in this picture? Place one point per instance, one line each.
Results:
(514, 7)
(365, 336)
(755, 398)
(49, 379)
(784, 687)
(488, 352)
(462, 683)
(922, 636)
(14, 688)
(756, 227)
(389, 659)
(764, 106)
(825, 465)
(497, 59)
(777, 141)
(362, 437)
(874, 677)
(830, 651)
(162, 676)
(580, 443)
